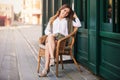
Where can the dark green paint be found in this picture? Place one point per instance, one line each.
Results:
(97, 45)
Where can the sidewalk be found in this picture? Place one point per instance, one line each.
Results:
(22, 43)
(86, 74)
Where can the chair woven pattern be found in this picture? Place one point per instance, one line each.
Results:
(42, 52)
(62, 46)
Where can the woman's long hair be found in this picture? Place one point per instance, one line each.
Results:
(70, 15)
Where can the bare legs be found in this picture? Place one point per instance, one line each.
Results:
(51, 45)
(49, 53)
(47, 57)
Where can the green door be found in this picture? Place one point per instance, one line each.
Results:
(86, 42)
(81, 47)
(109, 66)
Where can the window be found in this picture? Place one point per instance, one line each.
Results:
(108, 11)
(81, 10)
(110, 14)
(83, 13)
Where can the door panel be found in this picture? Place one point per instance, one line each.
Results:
(109, 66)
(82, 34)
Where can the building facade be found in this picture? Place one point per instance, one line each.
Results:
(31, 12)
(6, 14)
(97, 45)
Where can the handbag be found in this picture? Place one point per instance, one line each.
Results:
(59, 36)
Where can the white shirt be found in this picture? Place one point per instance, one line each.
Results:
(61, 26)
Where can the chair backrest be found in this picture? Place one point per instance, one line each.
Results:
(72, 37)
(61, 44)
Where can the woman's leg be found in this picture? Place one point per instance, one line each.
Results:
(47, 61)
(47, 57)
(51, 45)
(49, 53)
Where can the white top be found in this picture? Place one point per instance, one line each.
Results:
(61, 26)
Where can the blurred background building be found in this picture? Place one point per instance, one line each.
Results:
(6, 14)
(23, 11)
(31, 12)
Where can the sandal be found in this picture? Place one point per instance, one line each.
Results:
(44, 73)
(52, 61)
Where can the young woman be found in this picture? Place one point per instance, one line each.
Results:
(57, 24)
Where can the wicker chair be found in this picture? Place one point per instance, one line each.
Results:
(61, 49)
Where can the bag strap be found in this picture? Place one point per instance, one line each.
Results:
(51, 28)
(70, 26)
(70, 29)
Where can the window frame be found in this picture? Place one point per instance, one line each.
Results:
(81, 11)
(105, 25)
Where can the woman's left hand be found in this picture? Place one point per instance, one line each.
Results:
(75, 16)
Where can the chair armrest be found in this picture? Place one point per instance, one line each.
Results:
(68, 36)
(42, 39)
(62, 42)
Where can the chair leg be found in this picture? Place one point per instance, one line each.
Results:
(61, 60)
(38, 67)
(57, 60)
(75, 62)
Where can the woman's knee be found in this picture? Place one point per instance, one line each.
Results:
(50, 37)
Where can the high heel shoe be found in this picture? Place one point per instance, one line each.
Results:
(52, 61)
(44, 73)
